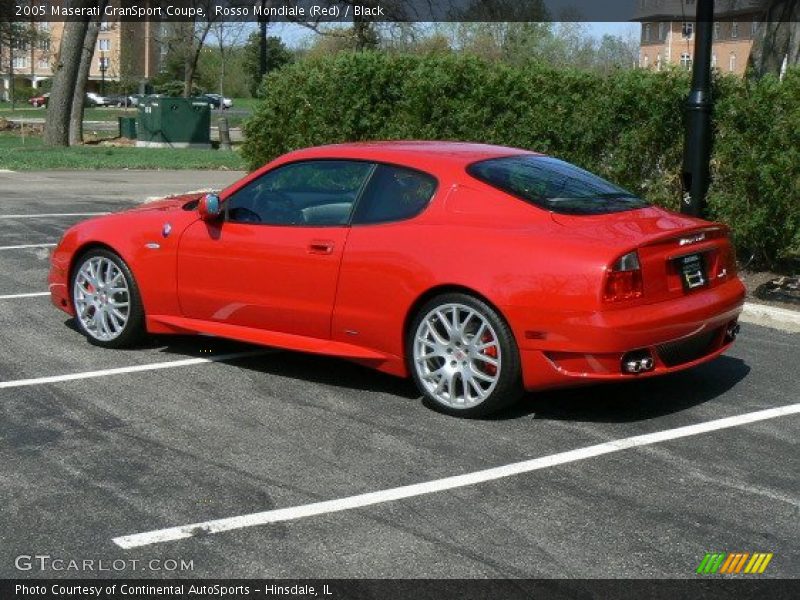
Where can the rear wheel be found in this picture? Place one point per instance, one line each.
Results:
(108, 308)
(463, 356)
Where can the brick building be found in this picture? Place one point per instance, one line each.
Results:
(125, 51)
(668, 30)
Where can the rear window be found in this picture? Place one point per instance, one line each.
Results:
(555, 185)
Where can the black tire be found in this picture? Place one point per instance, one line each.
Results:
(508, 387)
(134, 330)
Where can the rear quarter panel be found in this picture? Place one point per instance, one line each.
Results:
(498, 247)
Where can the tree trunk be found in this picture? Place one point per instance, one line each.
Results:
(79, 94)
(778, 39)
(263, 23)
(198, 38)
(59, 106)
(11, 74)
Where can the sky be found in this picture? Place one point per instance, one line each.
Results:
(292, 35)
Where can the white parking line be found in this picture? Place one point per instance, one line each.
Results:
(23, 246)
(33, 295)
(440, 485)
(171, 364)
(44, 215)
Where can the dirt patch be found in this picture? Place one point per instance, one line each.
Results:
(766, 287)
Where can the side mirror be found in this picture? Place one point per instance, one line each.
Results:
(209, 207)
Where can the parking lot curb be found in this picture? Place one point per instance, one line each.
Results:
(771, 316)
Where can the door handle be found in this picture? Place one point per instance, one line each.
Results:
(320, 247)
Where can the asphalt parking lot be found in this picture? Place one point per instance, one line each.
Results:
(93, 459)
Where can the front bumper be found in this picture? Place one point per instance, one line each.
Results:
(58, 281)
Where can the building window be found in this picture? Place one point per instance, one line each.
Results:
(105, 26)
(658, 62)
(104, 63)
(44, 26)
(714, 60)
(717, 30)
(732, 63)
(687, 30)
(44, 63)
(754, 28)
(44, 44)
(662, 31)
(646, 32)
(734, 30)
(686, 60)
(646, 62)
(19, 44)
(20, 62)
(104, 45)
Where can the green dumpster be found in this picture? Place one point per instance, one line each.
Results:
(174, 123)
(127, 127)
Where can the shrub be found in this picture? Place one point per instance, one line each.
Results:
(626, 126)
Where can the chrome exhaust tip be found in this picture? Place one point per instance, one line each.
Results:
(637, 362)
(732, 331)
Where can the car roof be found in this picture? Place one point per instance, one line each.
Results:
(413, 153)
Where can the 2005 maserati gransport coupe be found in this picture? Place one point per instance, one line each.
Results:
(480, 271)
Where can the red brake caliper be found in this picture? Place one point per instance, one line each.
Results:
(491, 352)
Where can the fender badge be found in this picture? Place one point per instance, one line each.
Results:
(166, 230)
(152, 246)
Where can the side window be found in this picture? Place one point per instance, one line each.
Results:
(394, 194)
(311, 193)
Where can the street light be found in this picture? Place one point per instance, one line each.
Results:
(103, 67)
(699, 106)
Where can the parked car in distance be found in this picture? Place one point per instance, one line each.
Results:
(479, 271)
(94, 99)
(215, 100)
(38, 101)
(120, 100)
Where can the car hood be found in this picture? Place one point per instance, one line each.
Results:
(630, 228)
(167, 204)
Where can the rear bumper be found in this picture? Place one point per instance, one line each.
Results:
(678, 334)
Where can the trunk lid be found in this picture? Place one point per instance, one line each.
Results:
(678, 254)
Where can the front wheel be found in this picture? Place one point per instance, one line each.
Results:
(463, 356)
(108, 308)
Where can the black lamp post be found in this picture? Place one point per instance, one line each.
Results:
(699, 106)
(103, 67)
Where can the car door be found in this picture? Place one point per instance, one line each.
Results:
(273, 262)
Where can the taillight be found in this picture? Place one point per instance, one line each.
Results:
(624, 279)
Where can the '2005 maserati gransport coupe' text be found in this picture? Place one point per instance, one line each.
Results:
(480, 271)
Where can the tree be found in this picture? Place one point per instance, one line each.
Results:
(15, 38)
(184, 42)
(777, 40)
(278, 55)
(65, 77)
(79, 92)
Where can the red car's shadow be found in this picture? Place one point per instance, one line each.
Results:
(614, 402)
(635, 400)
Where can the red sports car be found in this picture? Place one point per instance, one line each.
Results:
(480, 271)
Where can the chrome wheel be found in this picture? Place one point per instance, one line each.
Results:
(102, 298)
(457, 356)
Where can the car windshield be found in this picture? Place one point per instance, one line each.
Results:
(555, 185)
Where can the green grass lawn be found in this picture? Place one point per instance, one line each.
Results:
(248, 104)
(30, 154)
